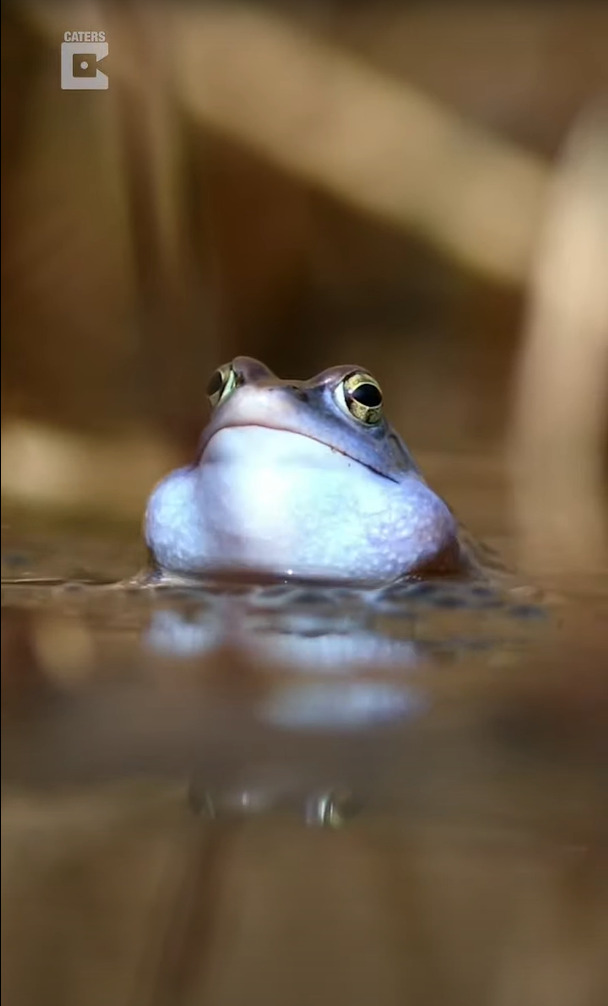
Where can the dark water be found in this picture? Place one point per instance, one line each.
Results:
(286, 792)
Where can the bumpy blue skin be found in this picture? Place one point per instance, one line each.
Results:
(288, 482)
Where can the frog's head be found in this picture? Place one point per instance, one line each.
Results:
(303, 478)
(341, 409)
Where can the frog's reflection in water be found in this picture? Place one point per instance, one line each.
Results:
(327, 674)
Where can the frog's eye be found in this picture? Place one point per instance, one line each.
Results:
(222, 383)
(361, 395)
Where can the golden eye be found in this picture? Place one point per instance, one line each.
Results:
(222, 383)
(362, 397)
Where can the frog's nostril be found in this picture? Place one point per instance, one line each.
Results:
(298, 393)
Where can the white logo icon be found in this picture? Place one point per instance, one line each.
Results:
(79, 66)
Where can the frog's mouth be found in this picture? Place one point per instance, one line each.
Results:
(288, 431)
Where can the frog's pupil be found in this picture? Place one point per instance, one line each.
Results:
(367, 394)
(215, 384)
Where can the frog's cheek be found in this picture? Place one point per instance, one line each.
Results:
(420, 528)
(172, 523)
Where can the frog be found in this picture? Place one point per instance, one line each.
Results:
(304, 479)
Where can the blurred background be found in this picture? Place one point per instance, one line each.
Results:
(405, 186)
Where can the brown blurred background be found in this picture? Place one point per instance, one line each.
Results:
(309, 184)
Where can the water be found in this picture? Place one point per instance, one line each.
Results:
(285, 792)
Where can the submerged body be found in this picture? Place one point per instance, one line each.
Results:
(304, 479)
